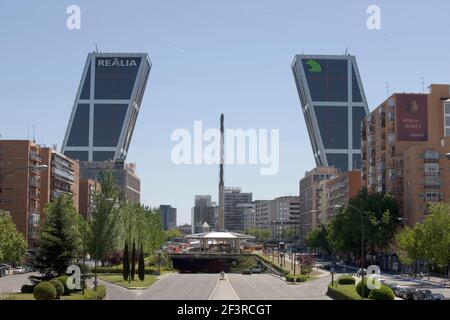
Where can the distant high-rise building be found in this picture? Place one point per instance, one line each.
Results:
(168, 217)
(106, 106)
(235, 204)
(284, 213)
(203, 211)
(126, 177)
(334, 104)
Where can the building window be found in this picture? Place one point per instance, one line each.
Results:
(447, 119)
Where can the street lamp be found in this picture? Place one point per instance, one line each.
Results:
(159, 262)
(39, 167)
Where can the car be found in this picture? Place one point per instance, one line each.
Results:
(422, 294)
(256, 269)
(436, 296)
(404, 292)
(18, 270)
(392, 285)
(362, 271)
(247, 271)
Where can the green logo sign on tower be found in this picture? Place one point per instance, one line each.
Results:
(314, 66)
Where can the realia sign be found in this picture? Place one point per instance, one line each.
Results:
(116, 62)
(412, 117)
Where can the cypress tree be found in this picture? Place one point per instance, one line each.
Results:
(141, 264)
(126, 263)
(133, 261)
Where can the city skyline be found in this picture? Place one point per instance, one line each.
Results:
(233, 66)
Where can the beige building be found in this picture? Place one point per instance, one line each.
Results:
(310, 189)
(405, 142)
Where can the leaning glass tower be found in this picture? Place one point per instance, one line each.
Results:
(106, 106)
(334, 104)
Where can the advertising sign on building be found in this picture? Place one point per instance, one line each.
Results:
(412, 117)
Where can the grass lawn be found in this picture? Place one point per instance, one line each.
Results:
(118, 279)
(29, 296)
(347, 292)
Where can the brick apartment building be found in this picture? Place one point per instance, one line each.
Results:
(404, 150)
(26, 191)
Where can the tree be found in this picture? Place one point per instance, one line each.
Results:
(141, 264)
(126, 263)
(437, 235)
(12, 242)
(290, 234)
(133, 261)
(103, 226)
(172, 234)
(411, 244)
(318, 239)
(59, 237)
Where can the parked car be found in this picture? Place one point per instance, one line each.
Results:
(361, 272)
(436, 296)
(256, 269)
(247, 271)
(422, 294)
(18, 270)
(404, 292)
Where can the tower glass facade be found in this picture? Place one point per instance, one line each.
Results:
(106, 106)
(334, 104)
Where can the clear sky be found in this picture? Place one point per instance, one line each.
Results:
(210, 56)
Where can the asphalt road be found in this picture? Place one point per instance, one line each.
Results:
(13, 283)
(181, 287)
(267, 287)
(246, 287)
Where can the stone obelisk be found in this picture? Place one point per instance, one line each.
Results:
(221, 183)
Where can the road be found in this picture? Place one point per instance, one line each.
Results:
(246, 287)
(13, 283)
(177, 286)
(204, 287)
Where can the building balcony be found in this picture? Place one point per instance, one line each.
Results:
(34, 182)
(35, 157)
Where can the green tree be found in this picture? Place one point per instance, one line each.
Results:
(141, 264)
(59, 237)
(12, 242)
(411, 244)
(172, 234)
(133, 261)
(126, 263)
(437, 234)
(103, 226)
(290, 234)
(318, 239)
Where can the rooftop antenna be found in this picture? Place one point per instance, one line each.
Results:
(34, 140)
(423, 84)
(387, 89)
(96, 48)
(346, 50)
(28, 131)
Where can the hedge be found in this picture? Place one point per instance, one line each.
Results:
(274, 265)
(59, 287)
(384, 293)
(27, 288)
(302, 278)
(116, 270)
(339, 293)
(360, 289)
(346, 280)
(290, 278)
(63, 280)
(44, 291)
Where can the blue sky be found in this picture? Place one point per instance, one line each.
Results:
(210, 56)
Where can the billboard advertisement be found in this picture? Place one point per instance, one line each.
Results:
(412, 117)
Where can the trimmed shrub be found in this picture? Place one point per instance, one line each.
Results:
(346, 280)
(337, 292)
(27, 288)
(44, 291)
(302, 278)
(101, 292)
(290, 278)
(384, 293)
(58, 286)
(63, 280)
(362, 289)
